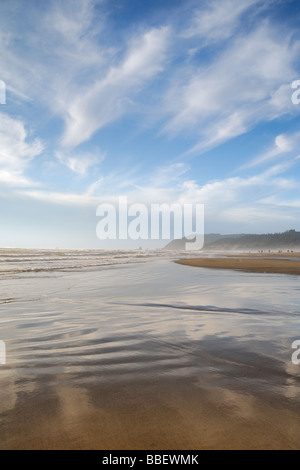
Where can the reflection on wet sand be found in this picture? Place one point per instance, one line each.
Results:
(154, 414)
(149, 356)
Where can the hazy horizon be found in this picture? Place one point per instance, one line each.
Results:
(140, 244)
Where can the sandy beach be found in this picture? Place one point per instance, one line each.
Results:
(250, 263)
(154, 414)
(146, 355)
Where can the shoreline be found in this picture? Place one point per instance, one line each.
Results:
(265, 254)
(247, 264)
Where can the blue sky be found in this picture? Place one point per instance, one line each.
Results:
(160, 101)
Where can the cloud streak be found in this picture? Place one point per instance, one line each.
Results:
(218, 20)
(246, 84)
(111, 97)
(16, 152)
(285, 145)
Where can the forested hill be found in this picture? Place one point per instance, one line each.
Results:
(289, 240)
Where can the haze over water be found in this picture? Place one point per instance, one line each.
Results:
(116, 350)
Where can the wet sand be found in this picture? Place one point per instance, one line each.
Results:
(251, 264)
(161, 414)
(150, 356)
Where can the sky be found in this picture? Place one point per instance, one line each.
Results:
(161, 101)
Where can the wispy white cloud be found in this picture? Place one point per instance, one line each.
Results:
(59, 44)
(258, 218)
(246, 84)
(284, 145)
(76, 72)
(89, 83)
(15, 179)
(110, 97)
(60, 198)
(249, 204)
(169, 174)
(236, 190)
(216, 195)
(284, 203)
(16, 151)
(80, 162)
(217, 20)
